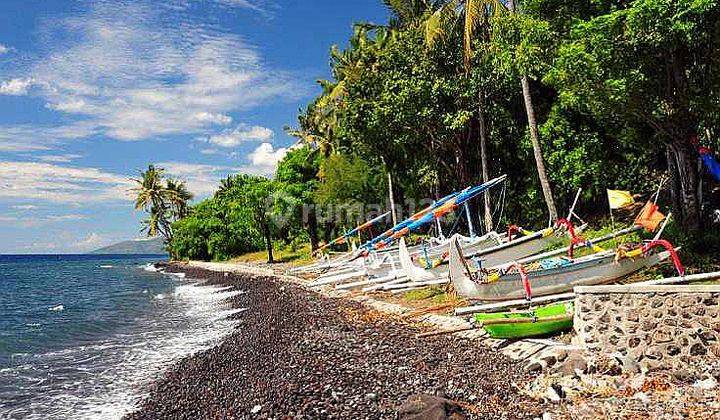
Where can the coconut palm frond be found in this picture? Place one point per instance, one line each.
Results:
(164, 199)
(434, 28)
(475, 15)
(437, 24)
(408, 11)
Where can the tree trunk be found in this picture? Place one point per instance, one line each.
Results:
(328, 226)
(484, 161)
(539, 162)
(392, 197)
(312, 227)
(268, 242)
(682, 164)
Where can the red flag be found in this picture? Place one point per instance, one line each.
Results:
(650, 217)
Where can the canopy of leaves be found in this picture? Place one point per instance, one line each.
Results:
(613, 82)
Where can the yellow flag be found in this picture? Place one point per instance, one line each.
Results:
(619, 199)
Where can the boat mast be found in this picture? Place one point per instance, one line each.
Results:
(469, 219)
(390, 192)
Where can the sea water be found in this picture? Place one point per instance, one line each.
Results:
(84, 336)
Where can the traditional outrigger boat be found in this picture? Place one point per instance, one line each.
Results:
(555, 275)
(371, 260)
(533, 243)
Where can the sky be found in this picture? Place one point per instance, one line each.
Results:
(91, 92)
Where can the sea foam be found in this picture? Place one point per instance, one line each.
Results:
(106, 379)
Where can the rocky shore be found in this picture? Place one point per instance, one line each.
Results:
(296, 354)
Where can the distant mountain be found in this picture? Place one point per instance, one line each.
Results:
(135, 246)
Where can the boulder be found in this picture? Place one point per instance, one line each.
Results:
(429, 407)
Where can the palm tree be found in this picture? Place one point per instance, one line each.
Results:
(319, 121)
(477, 15)
(534, 138)
(164, 199)
(408, 12)
(178, 197)
(150, 197)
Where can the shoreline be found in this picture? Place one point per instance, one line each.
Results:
(298, 353)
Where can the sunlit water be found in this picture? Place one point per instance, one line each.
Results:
(83, 336)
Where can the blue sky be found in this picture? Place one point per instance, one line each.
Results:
(93, 91)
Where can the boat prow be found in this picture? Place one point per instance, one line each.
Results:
(458, 270)
(413, 272)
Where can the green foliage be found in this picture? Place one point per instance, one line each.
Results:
(228, 224)
(164, 199)
(614, 85)
(348, 180)
(217, 229)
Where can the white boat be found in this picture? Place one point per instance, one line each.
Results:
(550, 276)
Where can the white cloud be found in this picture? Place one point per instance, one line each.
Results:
(144, 69)
(220, 119)
(240, 134)
(29, 138)
(25, 207)
(36, 220)
(16, 87)
(66, 217)
(3, 49)
(69, 106)
(54, 183)
(263, 7)
(64, 158)
(202, 180)
(266, 157)
(90, 242)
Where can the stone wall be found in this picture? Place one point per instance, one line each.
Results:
(659, 327)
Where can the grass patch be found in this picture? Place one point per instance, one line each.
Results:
(436, 295)
(298, 256)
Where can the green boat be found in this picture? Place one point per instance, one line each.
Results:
(540, 321)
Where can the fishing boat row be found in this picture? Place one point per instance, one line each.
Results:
(498, 269)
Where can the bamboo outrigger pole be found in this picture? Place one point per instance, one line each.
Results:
(357, 230)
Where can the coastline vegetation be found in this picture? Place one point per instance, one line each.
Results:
(558, 95)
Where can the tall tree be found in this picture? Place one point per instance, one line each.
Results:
(650, 63)
(408, 12)
(258, 196)
(165, 199)
(297, 175)
(535, 138)
(477, 23)
(476, 14)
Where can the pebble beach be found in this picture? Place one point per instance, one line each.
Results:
(297, 354)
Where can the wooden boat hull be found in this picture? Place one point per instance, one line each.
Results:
(541, 321)
(586, 271)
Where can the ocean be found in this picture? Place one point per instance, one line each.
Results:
(82, 336)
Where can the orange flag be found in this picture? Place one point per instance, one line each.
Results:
(650, 217)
